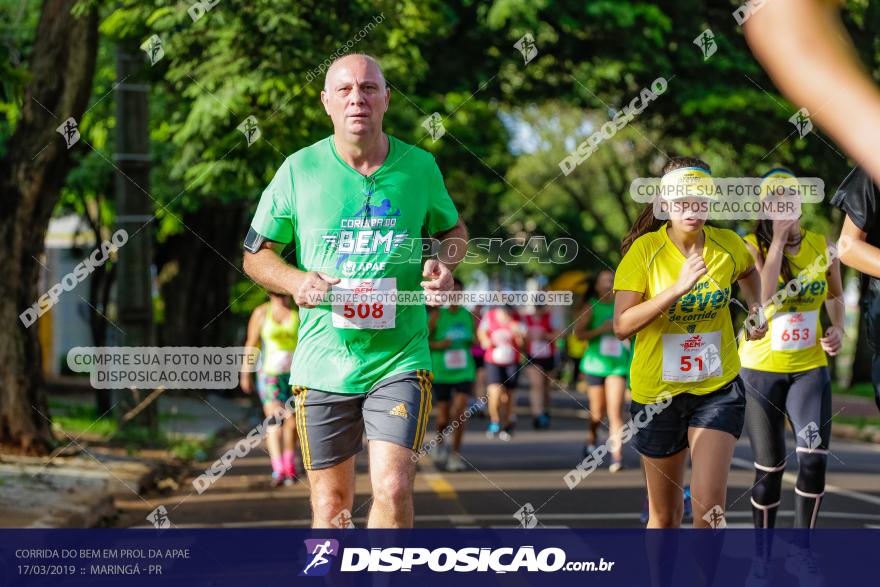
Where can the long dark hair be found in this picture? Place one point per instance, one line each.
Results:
(647, 220)
(764, 232)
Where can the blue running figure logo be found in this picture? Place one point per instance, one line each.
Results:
(383, 210)
(317, 564)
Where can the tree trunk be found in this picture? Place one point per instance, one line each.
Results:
(31, 175)
(100, 284)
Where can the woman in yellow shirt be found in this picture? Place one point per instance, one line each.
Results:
(274, 327)
(672, 291)
(786, 373)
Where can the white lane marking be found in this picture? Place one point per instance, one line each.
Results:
(792, 478)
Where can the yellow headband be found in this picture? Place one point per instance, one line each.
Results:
(777, 182)
(687, 182)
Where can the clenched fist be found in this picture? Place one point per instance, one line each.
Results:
(312, 289)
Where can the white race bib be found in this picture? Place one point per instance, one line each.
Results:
(365, 308)
(609, 346)
(692, 357)
(455, 359)
(793, 331)
(540, 349)
(503, 355)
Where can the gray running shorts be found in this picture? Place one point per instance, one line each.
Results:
(331, 425)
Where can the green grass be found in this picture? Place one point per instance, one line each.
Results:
(860, 389)
(858, 421)
(79, 418)
(81, 411)
(135, 438)
(83, 418)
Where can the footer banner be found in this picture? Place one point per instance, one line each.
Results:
(424, 557)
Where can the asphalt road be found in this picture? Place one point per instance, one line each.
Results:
(504, 477)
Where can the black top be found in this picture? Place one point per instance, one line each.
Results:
(857, 197)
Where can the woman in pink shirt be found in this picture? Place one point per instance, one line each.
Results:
(502, 335)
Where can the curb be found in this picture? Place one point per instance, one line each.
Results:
(71, 492)
(850, 432)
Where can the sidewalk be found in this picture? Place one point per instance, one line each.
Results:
(855, 407)
(78, 491)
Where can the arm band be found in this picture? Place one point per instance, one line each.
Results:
(253, 241)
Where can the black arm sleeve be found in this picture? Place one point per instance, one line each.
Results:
(253, 241)
(857, 197)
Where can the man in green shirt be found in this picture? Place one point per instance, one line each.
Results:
(355, 205)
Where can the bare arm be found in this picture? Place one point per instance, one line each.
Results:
(856, 252)
(520, 334)
(599, 331)
(806, 50)
(834, 303)
(267, 268)
(255, 324)
(832, 340)
(769, 269)
(438, 272)
(750, 284)
(584, 333)
(632, 312)
(453, 244)
(483, 336)
(435, 345)
(582, 321)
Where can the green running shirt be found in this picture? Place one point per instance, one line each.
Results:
(364, 230)
(454, 364)
(605, 355)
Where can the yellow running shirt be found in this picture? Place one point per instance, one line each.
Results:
(792, 342)
(690, 348)
(278, 340)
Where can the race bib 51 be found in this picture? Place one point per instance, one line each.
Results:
(692, 357)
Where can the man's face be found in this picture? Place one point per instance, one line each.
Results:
(356, 97)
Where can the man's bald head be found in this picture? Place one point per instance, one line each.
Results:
(356, 96)
(350, 59)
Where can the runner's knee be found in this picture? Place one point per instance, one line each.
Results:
(667, 517)
(768, 487)
(393, 489)
(329, 502)
(811, 472)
